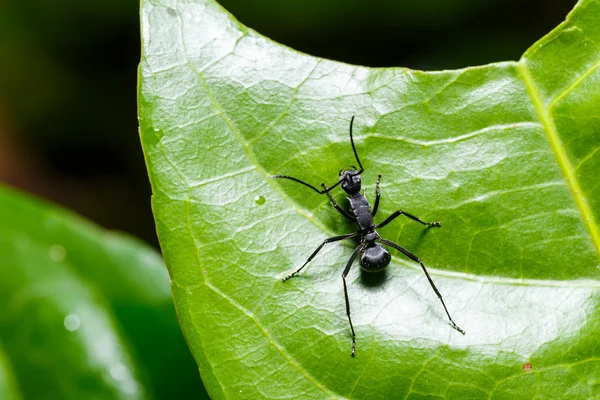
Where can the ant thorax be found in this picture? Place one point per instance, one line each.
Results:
(360, 208)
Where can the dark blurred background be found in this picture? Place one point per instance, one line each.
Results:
(68, 125)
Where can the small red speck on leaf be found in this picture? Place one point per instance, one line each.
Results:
(527, 367)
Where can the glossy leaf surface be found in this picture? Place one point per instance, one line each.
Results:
(505, 155)
(85, 313)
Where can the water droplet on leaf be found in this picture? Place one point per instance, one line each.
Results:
(260, 200)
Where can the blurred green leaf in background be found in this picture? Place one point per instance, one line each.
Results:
(85, 313)
(505, 155)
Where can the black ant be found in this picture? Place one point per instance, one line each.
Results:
(374, 256)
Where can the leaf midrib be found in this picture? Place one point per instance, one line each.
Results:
(558, 148)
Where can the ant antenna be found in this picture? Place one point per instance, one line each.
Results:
(362, 169)
(327, 190)
(291, 178)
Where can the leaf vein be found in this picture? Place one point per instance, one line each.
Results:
(561, 155)
(236, 132)
(573, 85)
(290, 360)
(459, 138)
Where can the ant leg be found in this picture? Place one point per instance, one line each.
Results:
(377, 195)
(399, 213)
(435, 289)
(329, 240)
(337, 207)
(357, 251)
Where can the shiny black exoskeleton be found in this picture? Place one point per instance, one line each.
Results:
(374, 256)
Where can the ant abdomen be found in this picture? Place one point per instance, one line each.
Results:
(375, 258)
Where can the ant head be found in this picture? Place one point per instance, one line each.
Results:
(350, 181)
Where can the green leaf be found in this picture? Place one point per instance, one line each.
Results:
(85, 313)
(505, 155)
(8, 388)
